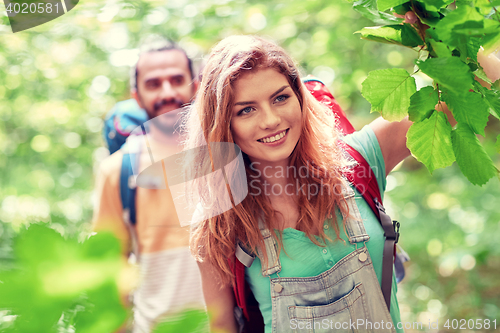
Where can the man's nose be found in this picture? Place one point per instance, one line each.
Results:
(167, 91)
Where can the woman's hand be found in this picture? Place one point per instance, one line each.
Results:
(490, 64)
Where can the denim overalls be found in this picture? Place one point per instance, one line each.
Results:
(345, 298)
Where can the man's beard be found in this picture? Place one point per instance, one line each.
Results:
(167, 122)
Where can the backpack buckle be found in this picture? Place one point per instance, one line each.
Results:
(395, 225)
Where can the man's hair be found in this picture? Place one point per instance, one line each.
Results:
(155, 43)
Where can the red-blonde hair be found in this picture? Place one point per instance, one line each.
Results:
(209, 119)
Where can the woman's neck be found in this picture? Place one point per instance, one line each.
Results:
(274, 177)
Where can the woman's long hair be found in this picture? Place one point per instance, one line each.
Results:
(317, 153)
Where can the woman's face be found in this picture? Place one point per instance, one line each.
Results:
(266, 120)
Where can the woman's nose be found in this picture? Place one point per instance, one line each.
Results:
(270, 118)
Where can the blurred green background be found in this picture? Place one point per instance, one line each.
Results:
(58, 80)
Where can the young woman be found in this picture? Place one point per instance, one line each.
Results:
(318, 245)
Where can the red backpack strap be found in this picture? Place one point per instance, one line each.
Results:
(238, 270)
(323, 95)
(363, 179)
(362, 176)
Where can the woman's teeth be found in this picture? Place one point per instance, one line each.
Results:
(274, 138)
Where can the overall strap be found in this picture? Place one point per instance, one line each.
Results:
(354, 223)
(273, 264)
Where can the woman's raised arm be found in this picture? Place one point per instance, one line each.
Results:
(391, 137)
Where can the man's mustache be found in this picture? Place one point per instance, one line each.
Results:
(177, 102)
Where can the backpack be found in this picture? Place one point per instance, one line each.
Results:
(120, 121)
(247, 306)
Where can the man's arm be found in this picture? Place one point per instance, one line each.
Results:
(108, 211)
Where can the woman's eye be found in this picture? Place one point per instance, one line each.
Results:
(245, 111)
(281, 98)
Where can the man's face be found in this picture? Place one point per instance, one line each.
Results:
(163, 84)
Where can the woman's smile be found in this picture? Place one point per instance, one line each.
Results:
(274, 139)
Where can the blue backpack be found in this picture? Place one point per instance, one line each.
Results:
(120, 121)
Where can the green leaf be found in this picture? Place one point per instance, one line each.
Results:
(422, 103)
(477, 28)
(368, 8)
(402, 9)
(494, 3)
(389, 92)
(492, 99)
(479, 73)
(383, 5)
(463, 17)
(402, 34)
(497, 145)
(189, 321)
(469, 108)
(436, 5)
(449, 73)
(471, 157)
(491, 41)
(469, 49)
(429, 141)
(439, 49)
(486, 4)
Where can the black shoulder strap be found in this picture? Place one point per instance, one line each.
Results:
(391, 238)
(128, 187)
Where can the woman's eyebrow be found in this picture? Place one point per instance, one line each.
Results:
(278, 91)
(274, 94)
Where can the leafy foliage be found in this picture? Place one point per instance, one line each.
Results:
(54, 278)
(447, 48)
(389, 91)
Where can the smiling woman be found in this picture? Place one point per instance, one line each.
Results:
(250, 94)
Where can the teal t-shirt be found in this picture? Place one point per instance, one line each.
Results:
(305, 259)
